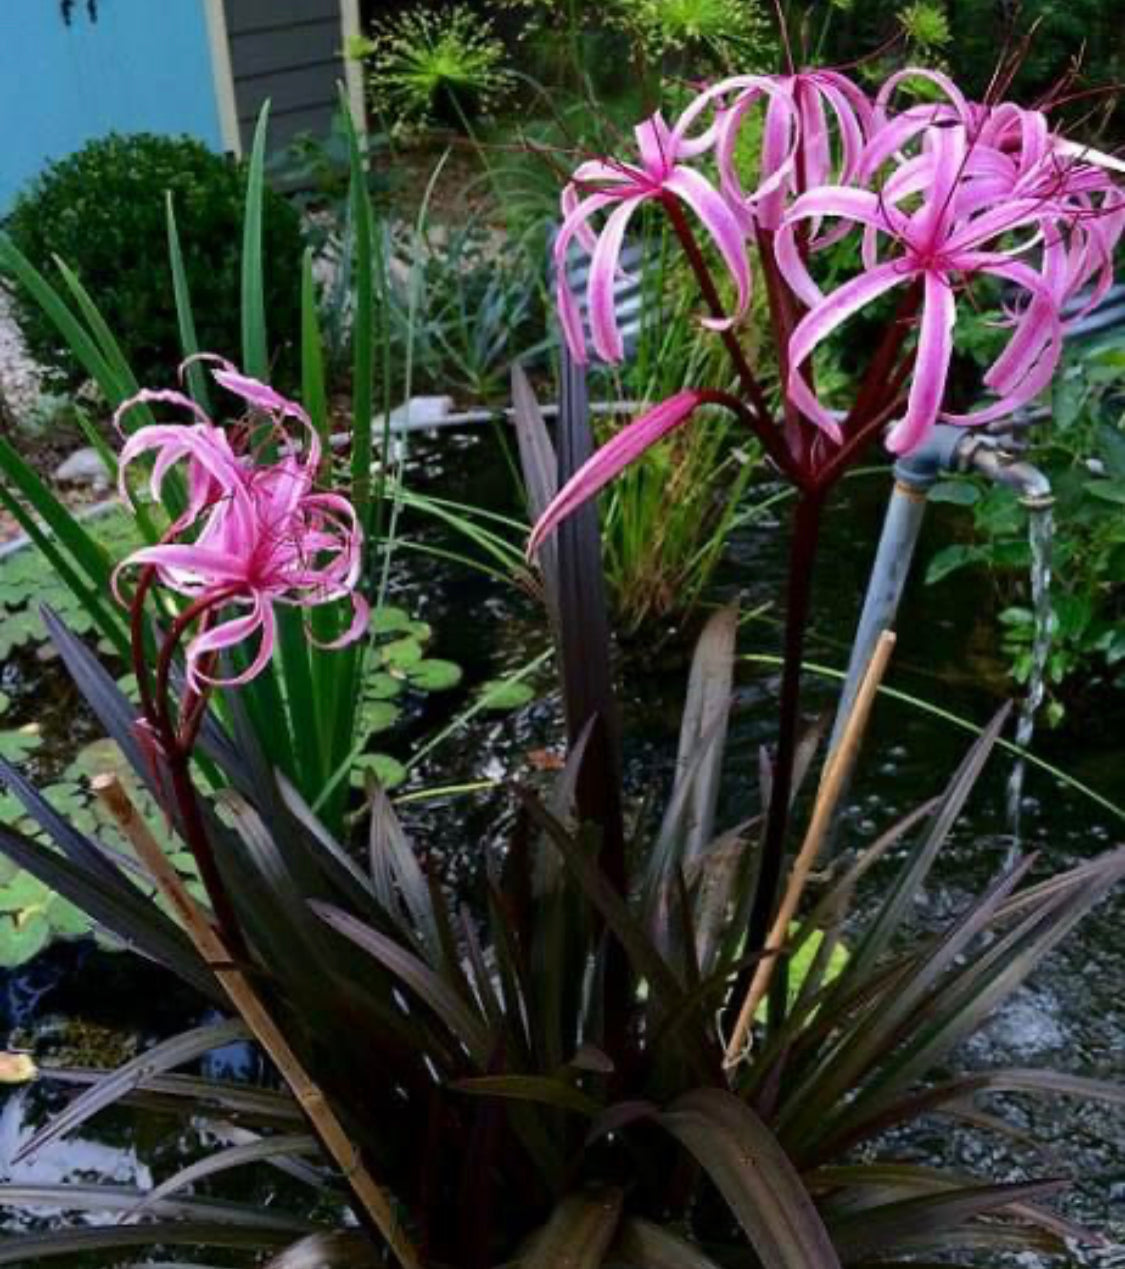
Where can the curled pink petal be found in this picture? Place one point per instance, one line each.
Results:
(613, 457)
(255, 533)
(935, 350)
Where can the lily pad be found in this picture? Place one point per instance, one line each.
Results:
(381, 686)
(22, 936)
(402, 653)
(376, 716)
(504, 694)
(390, 620)
(17, 743)
(433, 675)
(388, 771)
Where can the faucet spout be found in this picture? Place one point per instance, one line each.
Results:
(983, 454)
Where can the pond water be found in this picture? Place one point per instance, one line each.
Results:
(92, 1007)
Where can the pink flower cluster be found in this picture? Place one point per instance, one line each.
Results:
(254, 533)
(937, 195)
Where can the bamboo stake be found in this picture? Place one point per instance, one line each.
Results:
(245, 998)
(832, 784)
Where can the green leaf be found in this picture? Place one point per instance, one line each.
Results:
(185, 317)
(22, 937)
(17, 743)
(363, 346)
(77, 338)
(1107, 490)
(255, 348)
(432, 675)
(390, 620)
(376, 716)
(961, 493)
(401, 654)
(503, 694)
(387, 770)
(949, 559)
(381, 686)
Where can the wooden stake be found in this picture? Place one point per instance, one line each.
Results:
(832, 783)
(245, 998)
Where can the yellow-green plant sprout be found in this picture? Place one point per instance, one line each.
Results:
(926, 27)
(434, 66)
(725, 31)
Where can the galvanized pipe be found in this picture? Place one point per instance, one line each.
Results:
(948, 449)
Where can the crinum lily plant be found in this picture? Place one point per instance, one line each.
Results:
(544, 1081)
(938, 198)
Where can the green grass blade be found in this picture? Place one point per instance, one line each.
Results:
(74, 555)
(323, 665)
(99, 328)
(363, 349)
(77, 337)
(185, 317)
(255, 351)
(86, 553)
(109, 461)
(314, 395)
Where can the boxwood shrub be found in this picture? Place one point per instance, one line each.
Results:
(102, 211)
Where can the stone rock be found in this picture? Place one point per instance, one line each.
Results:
(83, 467)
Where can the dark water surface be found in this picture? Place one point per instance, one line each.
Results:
(79, 1003)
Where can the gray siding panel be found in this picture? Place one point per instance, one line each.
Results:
(289, 52)
(291, 89)
(265, 53)
(264, 15)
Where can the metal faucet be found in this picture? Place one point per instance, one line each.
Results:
(996, 452)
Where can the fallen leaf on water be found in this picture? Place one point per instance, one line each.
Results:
(17, 1068)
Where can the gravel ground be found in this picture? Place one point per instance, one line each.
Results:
(19, 373)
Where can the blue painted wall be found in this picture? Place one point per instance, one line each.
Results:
(143, 66)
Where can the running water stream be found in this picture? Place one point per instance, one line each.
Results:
(1041, 533)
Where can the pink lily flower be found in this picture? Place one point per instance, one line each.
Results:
(939, 195)
(262, 534)
(939, 253)
(620, 189)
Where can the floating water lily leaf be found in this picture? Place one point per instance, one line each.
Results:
(376, 716)
(18, 629)
(22, 936)
(390, 620)
(381, 686)
(17, 743)
(387, 770)
(504, 694)
(402, 653)
(432, 675)
(23, 891)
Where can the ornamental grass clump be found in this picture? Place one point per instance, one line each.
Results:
(574, 1069)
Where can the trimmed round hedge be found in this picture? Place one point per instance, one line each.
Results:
(102, 211)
